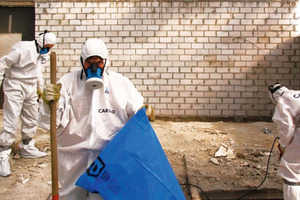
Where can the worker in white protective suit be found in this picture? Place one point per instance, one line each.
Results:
(287, 117)
(94, 104)
(22, 86)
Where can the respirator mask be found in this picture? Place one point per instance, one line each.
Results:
(93, 77)
(45, 42)
(93, 60)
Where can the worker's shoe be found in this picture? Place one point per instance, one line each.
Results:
(4, 161)
(30, 151)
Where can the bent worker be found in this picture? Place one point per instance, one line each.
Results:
(94, 104)
(287, 118)
(21, 86)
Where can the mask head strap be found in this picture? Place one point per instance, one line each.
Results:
(43, 49)
(45, 31)
(273, 89)
(81, 61)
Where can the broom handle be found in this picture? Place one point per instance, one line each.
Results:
(53, 140)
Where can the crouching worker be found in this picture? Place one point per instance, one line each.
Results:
(93, 105)
(23, 80)
(287, 118)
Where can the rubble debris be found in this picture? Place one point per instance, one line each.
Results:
(214, 161)
(267, 131)
(223, 151)
(44, 165)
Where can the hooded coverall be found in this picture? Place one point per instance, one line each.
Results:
(86, 121)
(287, 117)
(23, 71)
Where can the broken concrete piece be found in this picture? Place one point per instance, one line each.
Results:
(222, 152)
(214, 161)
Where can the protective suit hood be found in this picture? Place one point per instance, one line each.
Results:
(275, 91)
(50, 38)
(94, 47)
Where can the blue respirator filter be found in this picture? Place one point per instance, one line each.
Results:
(44, 50)
(94, 78)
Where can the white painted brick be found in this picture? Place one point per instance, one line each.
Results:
(46, 16)
(258, 10)
(68, 4)
(227, 28)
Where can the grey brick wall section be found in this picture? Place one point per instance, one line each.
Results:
(188, 59)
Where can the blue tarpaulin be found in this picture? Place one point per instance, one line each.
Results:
(133, 166)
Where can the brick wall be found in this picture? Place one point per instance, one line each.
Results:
(191, 59)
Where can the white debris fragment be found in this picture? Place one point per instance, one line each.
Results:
(43, 165)
(245, 164)
(214, 160)
(230, 154)
(267, 131)
(222, 152)
(25, 181)
(258, 167)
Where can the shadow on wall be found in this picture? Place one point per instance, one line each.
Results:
(241, 64)
(228, 64)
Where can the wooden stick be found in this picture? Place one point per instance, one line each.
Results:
(53, 139)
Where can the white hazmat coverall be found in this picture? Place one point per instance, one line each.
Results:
(23, 70)
(287, 117)
(86, 121)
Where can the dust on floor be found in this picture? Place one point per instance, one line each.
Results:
(220, 157)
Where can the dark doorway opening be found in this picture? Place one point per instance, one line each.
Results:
(17, 20)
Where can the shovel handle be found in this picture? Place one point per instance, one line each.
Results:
(53, 139)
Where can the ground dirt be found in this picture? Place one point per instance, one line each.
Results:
(192, 149)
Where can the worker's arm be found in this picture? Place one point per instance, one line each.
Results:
(284, 118)
(7, 61)
(40, 79)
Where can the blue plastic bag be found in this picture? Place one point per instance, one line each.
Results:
(133, 166)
